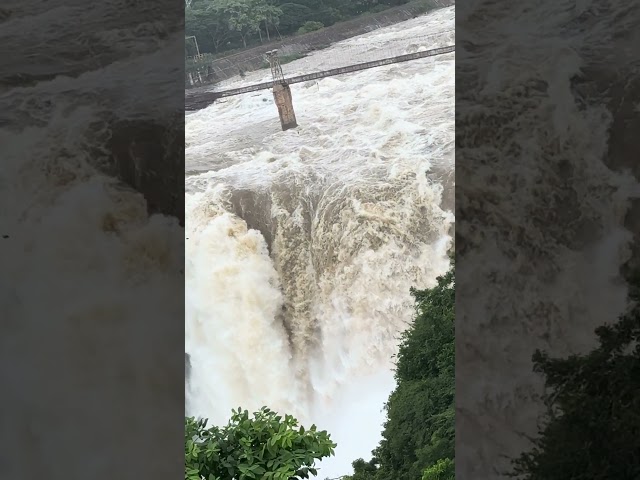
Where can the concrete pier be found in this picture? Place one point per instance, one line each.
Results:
(284, 102)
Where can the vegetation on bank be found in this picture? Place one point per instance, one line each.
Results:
(418, 439)
(219, 28)
(418, 436)
(225, 25)
(591, 429)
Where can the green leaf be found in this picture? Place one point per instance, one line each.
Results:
(251, 447)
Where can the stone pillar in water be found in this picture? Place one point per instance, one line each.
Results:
(284, 102)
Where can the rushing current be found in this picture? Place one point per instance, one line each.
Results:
(302, 246)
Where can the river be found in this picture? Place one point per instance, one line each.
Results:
(302, 246)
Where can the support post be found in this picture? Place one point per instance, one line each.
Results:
(284, 102)
(281, 93)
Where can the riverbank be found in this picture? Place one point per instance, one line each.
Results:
(297, 46)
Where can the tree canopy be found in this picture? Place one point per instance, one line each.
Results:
(221, 25)
(419, 433)
(264, 446)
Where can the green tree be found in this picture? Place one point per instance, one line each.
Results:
(420, 427)
(221, 25)
(207, 20)
(294, 14)
(245, 16)
(266, 446)
(241, 17)
(419, 433)
(591, 430)
(444, 469)
(364, 470)
(269, 15)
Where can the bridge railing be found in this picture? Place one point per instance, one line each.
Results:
(197, 101)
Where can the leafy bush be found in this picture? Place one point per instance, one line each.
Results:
(444, 469)
(265, 446)
(310, 27)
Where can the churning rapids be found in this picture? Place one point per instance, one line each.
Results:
(302, 245)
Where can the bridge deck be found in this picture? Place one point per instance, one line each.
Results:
(202, 100)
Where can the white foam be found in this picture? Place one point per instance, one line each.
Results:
(352, 202)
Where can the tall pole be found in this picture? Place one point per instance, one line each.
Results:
(195, 41)
(281, 92)
(276, 68)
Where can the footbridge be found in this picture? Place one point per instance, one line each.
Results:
(280, 82)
